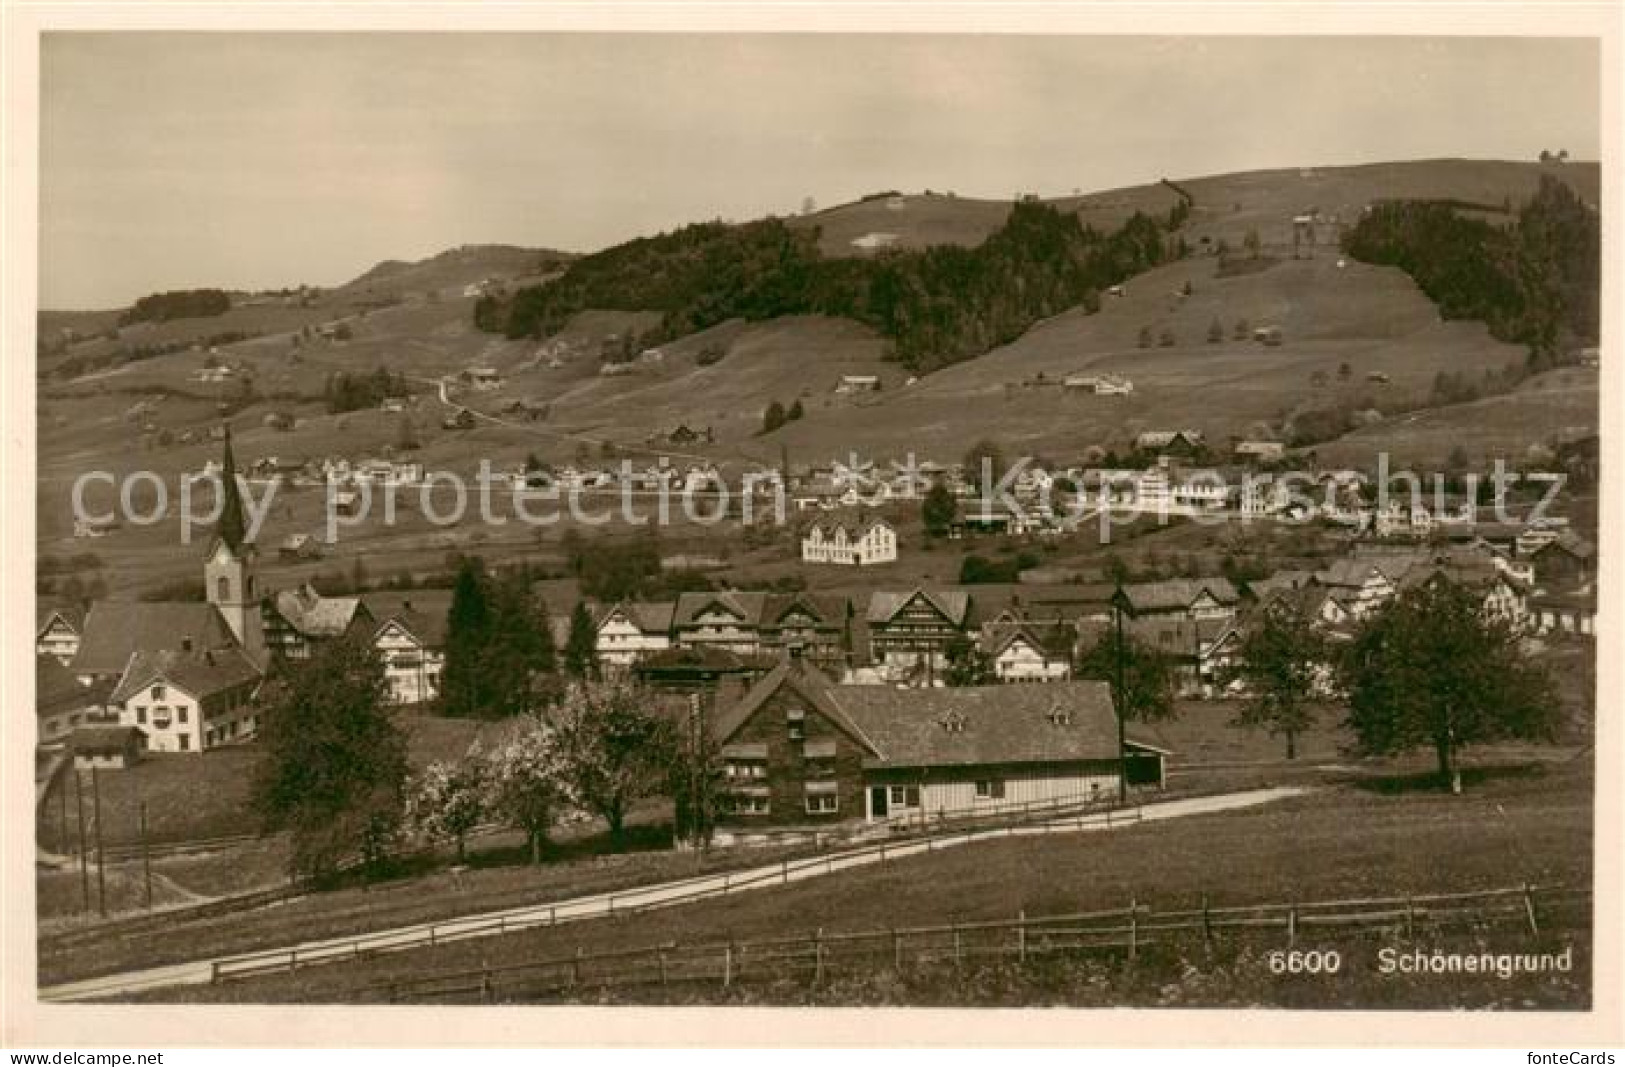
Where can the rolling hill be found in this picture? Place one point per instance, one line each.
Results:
(1225, 206)
(416, 320)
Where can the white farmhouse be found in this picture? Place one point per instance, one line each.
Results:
(834, 540)
(1020, 655)
(185, 702)
(628, 632)
(411, 640)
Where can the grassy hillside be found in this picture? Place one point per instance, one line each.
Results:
(1374, 319)
(1226, 206)
(448, 272)
(1373, 840)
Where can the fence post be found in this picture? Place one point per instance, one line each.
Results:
(1529, 907)
(552, 915)
(959, 948)
(1021, 936)
(1410, 919)
(818, 956)
(575, 966)
(1291, 924)
(784, 871)
(1133, 928)
(897, 950)
(431, 936)
(662, 957)
(1207, 921)
(485, 986)
(727, 964)
(214, 972)
(393, 993)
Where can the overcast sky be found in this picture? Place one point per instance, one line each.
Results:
(263, 160)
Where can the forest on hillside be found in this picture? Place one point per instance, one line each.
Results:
(179, 304)
(1535, 281)
(938, 306)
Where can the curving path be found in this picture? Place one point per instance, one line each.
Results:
(664, 894)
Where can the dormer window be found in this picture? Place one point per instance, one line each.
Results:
(795, 721)
(1059, 716)
(158, 692)
(953, 722)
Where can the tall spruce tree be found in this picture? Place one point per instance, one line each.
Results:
(581, 647)
(463, 685)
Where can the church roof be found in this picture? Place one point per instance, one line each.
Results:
(114, 629)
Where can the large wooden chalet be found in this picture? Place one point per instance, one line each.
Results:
(914, 629)
(800, 752)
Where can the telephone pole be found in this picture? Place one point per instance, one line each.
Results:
(146, 856)
(101, 857)
(84, 856)
(1118, 601)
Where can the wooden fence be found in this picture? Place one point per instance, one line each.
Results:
(644, 898)
(1123, 932)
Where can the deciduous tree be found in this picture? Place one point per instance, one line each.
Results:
(1148, 683)
(938, 509)
(528, 782)
(335, 761)
(967, 663)
(1280, 662)
(446, 800)
(1433, 669)
(617, 746)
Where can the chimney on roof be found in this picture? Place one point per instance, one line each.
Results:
(186, 643)
(406, 605)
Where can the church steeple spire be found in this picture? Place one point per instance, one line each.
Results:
(228, 570)
(231, 529)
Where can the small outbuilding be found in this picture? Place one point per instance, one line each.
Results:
(105, 747)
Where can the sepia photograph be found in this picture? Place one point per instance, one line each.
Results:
(900, 519)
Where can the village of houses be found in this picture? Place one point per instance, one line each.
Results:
(860, 679)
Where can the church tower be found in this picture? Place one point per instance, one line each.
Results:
(228, 569)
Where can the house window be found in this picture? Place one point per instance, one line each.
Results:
(158, 692)
(796, 723)
(990, 789)
(160, 718)
(180, 715)
(749, 805)
(823, 803)
(745, 770)
(186, 742)
(141, 716)
(904, 796)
